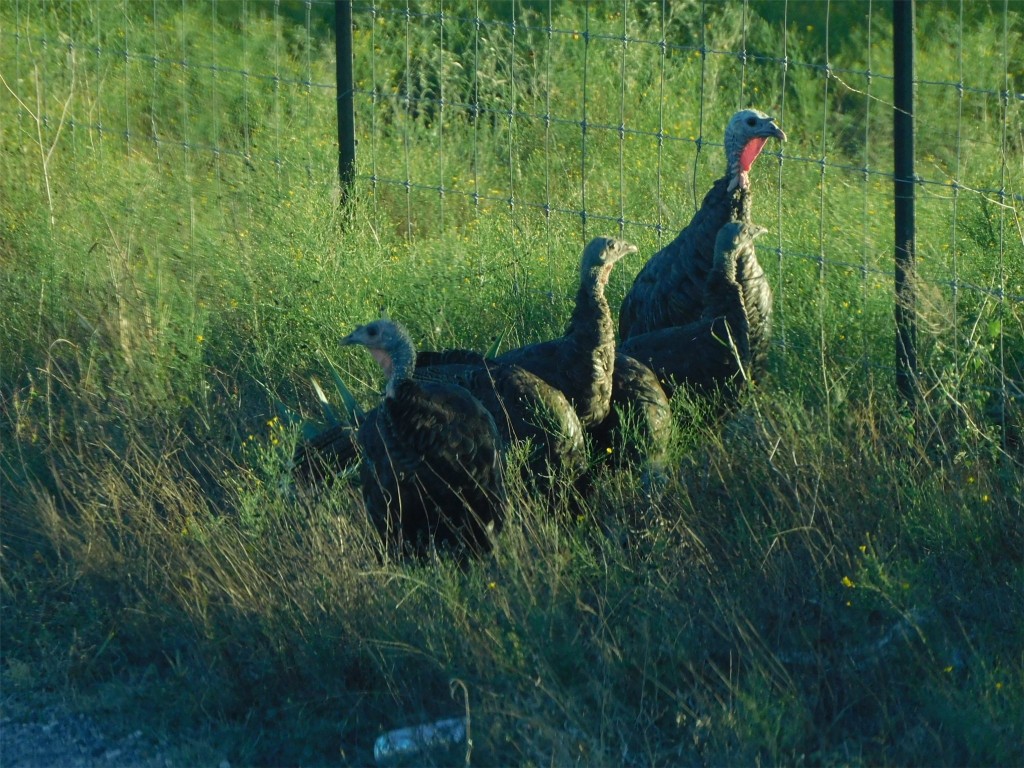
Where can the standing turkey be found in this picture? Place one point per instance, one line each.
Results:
(668, 292)
(524, 407)
(431, 470)
(581, 361)
(728, 345)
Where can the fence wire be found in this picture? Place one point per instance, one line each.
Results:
(829, 89)
(600, 117)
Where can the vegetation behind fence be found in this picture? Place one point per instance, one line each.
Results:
(824, 580)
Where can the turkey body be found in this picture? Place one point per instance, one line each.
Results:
(524, 407)
(727, 345)
(431, 470)
(669, 290)
(580, 363)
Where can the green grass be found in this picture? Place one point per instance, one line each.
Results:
(825, 580)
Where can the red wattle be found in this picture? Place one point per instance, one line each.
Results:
(751, 151)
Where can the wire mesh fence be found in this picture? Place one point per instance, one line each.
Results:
(559, 121)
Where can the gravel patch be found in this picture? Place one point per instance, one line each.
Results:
(43, 738)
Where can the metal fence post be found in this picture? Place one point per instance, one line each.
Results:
(903, 162)
(346, 108)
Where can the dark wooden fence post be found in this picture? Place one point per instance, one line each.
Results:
(903, 161)
(346, 108)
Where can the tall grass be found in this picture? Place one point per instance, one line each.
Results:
(825, 578)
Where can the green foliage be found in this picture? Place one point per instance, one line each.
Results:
(825, 579)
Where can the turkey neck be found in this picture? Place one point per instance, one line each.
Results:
(723, 296)
(590, 322)
(757, 304)
(403, 364)
(728, 304)
(735, 201)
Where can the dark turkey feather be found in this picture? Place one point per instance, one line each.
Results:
(580, 362)
(639, 425)
(669, 290)
(431, 469)
(728, 344)
(524, 408)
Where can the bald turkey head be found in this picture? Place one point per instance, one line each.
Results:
(601, 254)
(390, 345)
(745, 136)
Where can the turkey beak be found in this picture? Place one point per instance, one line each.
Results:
(774, 130)
(348, 340)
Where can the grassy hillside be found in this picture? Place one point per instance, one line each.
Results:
(827, 579)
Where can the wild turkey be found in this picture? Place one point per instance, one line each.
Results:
(431, 469)
(580, 362)
(668, 292)
(728, 344)
(524, 407)
(750, 309)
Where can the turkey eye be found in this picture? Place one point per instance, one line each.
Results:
(751, 121)
(371, 331)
